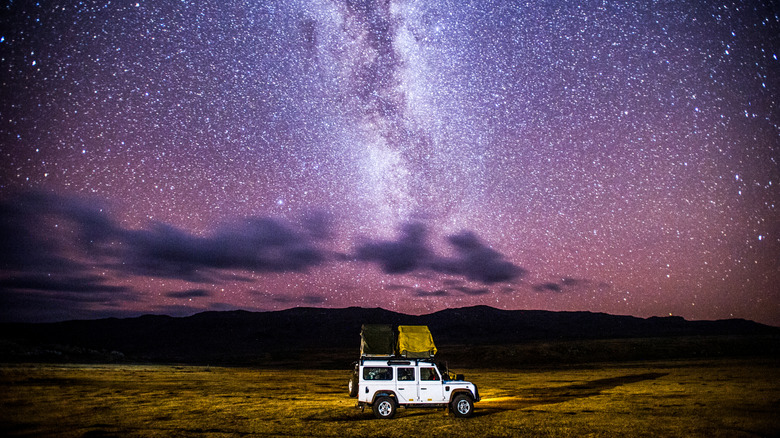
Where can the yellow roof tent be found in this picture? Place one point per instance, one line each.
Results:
(415, 342)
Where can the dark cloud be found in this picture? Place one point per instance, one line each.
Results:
(568, 281)
(52, 248)
(37, 232)
(30, 307)
(64, 252)
(477, 261)
(192, 293)
(48, 283)
(312, 299)
(304, 299)
(432, 294)
(473, 259)
(54, 252)
(319, 225)
(44, 232)
(452, 282)
(253, 244)
(410, 252)
(44, 297)
(547, 287)
(565, 284)
(473, 291)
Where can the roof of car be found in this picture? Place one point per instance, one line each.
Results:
(397, 361)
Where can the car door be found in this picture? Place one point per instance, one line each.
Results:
(406, 385)
(431, 387)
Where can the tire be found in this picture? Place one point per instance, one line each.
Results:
(353, 385)
(384, 408)
(462, 406)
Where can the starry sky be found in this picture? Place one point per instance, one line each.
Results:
(173, 157)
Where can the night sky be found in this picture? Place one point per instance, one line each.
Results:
(173, 157)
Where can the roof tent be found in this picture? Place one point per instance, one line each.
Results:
(377, 340)
(415, 341)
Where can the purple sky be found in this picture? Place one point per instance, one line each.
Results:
(174, 157)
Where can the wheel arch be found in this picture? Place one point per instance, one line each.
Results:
(462, 391)
(385, 393)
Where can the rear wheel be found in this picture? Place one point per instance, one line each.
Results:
(384, 408)
(353, 386)
(462, 406)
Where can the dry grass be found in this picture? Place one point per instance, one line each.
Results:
(672, 399)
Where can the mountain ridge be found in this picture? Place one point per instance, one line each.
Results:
(292, 336)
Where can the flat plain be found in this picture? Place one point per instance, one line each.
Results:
(686, 398)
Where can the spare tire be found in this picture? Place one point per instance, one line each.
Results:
(353, 385)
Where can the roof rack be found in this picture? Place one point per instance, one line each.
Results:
(397, 360)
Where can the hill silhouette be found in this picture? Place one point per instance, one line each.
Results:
(318, 337)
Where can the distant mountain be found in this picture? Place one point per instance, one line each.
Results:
(316, 337)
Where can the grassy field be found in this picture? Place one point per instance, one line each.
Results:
(716, 398)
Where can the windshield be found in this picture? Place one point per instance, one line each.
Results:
(443, 370)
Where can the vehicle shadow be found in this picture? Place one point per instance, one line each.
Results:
(551, 395)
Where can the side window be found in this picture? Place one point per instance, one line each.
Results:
(377, 373)
(428, 374)
(406, 374)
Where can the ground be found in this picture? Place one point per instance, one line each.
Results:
(705, 398)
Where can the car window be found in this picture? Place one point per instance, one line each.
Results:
(428, 374)
(406, 374)
(377, 373)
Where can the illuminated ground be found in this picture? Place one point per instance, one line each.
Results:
(681, 398)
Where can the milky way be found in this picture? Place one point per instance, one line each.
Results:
(175, 157)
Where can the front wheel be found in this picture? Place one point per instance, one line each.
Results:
(384, 408)
(462, 406)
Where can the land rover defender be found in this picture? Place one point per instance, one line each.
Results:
(388, 384)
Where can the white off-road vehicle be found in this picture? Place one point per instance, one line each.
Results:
(390, 383)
